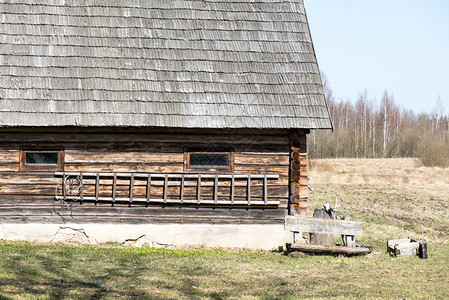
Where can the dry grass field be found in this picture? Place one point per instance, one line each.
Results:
(394, 198)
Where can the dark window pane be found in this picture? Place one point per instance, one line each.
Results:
(209, 160)
(41, 158)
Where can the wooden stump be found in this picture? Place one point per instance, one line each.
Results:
(321, 238)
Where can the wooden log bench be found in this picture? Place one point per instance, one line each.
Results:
(348, 229)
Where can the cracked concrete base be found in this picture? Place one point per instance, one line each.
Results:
(153, 235)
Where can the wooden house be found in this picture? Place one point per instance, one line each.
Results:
(181, 121)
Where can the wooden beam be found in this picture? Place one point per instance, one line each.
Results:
(81, 188)
(265, 192)
(165, 187)
(215, 188)
(350, 251)
(248, 186)
(114, 187)
(181, 192)
(148, 188)
(97, 186)
(232, 189)
(199, 189)
(64, 193)
(304, 224)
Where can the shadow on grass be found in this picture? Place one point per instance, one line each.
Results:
(56, 272)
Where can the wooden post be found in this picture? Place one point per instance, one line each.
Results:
(64, 187)
(81, 187)
(131, 188)
(97, 186)
(148, 188)
(321, 238)
(182, 189)
(248, 189)
(265, 192)
(165, 188)
(215, 188)
(114, 187)
(199, 189)
(232, 188)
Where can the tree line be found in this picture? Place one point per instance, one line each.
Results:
(382, 130)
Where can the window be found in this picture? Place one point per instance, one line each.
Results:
(209, 159)
(42, 158)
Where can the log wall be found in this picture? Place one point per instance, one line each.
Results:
(29, 196)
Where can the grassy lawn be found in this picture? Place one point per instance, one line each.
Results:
(30, 271)
(390, 206)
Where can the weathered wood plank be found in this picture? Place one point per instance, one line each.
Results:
(172, 137)
(148, 190)
(81, 213)
(349, 251)
(131, 188)
(56, 219)
(304, 224)
(83, 157)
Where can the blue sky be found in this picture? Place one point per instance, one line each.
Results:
(394, 45)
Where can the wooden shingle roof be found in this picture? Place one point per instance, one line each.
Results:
(161, 63)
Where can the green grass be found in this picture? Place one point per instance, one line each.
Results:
(30, 271)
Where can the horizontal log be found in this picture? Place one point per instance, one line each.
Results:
(62, 219)
(144, 215)
(336, 250)
(18, 178)
(9, 157)
(261, 160)
(124, 168)
(141, 138)
(152, 209)
(9, 167)
(315, 225)
(150, 145)
(117, 157)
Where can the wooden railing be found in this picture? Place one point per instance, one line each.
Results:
(210, 189)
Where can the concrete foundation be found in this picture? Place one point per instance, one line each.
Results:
(153, 235)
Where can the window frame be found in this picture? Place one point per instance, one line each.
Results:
(23, 166)
(209, 150)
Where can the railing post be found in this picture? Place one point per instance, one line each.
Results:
(232, 188)
(249, 190)
(199, 189)
(114, 187)
(181, 196)
(97, 186)
(215, 188)
(131, 188)
(81, 187)
(148, 194)
(64, 187)
(265, 189)
(165, 187)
